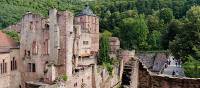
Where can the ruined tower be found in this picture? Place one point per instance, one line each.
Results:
(88, 20)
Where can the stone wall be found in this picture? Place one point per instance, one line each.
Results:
(5, 77)
(15, 27)
(148, 79)
(15, 75)
(11, 78)
(32, 47)
(90, 23)
(154, 61)
(151, 80)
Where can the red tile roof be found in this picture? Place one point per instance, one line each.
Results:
(6, 41)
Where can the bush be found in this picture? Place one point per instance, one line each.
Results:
(109, 67)
(192, 68)
(64, 77)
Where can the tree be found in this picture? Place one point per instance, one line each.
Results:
(104, 48)
(134, 33)
(166, 14)
(194, 14)
(187, 42)
(154, 23)
(140, 4)
(178, 8)
(173, 29)
(155, 5)
(154, 40)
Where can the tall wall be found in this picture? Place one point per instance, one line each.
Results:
(92, 24)
(33, 27)
(54, 36)
(15, 75)
(65, 23)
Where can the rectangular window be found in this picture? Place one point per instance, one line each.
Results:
(31, 67)
(29, 53)
(11, 65)
(15, 65)
(5, 69)
(31, 25)
(34, 48)
(46, 46)
(85, 42)
(24, 52)
(1, 68)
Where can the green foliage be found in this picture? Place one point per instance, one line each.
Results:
(154, 40)
(173, 29)
(104, 48)
(194, 14)
(166, 14)
(134, 33)
(109, 67)
(64, 77)
(192, 67)
(112, 14)
(104, 58)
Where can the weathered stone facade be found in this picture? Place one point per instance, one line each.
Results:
(60, 45)
(148, 79)
(143, 76)
(9, 62)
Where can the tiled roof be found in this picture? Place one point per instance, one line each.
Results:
(86, 11)
(6, 41)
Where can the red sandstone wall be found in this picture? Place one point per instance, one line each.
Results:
(154, 81)
(91, 23)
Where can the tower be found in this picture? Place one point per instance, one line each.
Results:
(88, 20)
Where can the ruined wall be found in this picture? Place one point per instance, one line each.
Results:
(15, 27)
(148, 79)
(154, 61)
(11, 78)
(90, 23)
(54, 36)
(85, 43)
(87, 60)
(32, 47)
(65, 24)
(83, 78)
(5, 77)
(15, 75)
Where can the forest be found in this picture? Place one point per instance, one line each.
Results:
(144, 25)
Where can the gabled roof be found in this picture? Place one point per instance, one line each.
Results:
(6, 41)
(86, 11)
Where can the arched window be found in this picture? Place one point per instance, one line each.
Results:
(3, 67)
(46, 46)
(13, 64)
